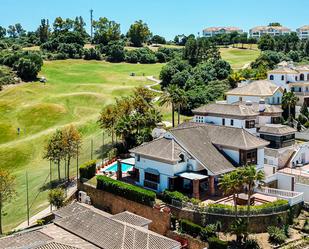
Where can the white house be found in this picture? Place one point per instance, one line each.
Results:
(255, 91)
(258, 31)
(248, 115)
(212, 31)
(191, 157)
(303, 32)
(292, 78)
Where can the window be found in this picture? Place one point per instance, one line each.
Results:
(232, 122)
(182, 158)
(271, 77)
(240, 98)
(296, 78)
(223, 121)
(282, 77)
(250, 124)
(308, 77)
(248, 157)
(302, 77)
(138, 158)
(278, 100)
(152, 177)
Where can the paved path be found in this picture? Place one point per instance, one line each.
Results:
(43, 213)
(157, 82)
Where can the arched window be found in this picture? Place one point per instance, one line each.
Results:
(271, 77)
(282, 77)
(302, 77)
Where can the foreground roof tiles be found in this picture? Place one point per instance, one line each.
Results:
(131, 218)
(277, 129)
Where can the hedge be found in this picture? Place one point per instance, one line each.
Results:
(126, 190)
(215, 243)
(190, 228)
(168, 196)
(266, 208)
(88, 169)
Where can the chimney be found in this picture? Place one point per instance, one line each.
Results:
(248, 103)
(261, 105)
(119, 170)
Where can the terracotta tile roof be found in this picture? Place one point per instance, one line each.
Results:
(162, 148)
(303, 28)
(277, 129)
(131, 218)
(262, 88)
(238, 109)
(229, 29)
(283, 70)
(268, 28)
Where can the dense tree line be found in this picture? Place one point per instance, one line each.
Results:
(200, 72)
(132, 119)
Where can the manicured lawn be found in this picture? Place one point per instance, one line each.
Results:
(237, 57)
(75, 93)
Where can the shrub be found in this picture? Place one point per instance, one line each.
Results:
(266, 208)
(208, 232)
(305, 228)
(190, 228)
(56, 197)
(276, 235)
(92, 54)
(168, 196)
(215, 243)
(88, 169)
(126, 190)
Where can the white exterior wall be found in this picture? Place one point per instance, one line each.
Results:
(284, 181)
(166, 170)
(269, 170)
(235, 98)
(260, 158)
(271, 161)
(302, 155)
(303, 188)
(262, 120)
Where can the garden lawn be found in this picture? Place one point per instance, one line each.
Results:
(239, 58)
(75, 93)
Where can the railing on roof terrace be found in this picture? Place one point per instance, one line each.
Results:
(291, 196)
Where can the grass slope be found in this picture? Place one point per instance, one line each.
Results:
(238, 57)
(75, 93)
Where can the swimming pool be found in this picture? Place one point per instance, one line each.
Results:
(124, 167)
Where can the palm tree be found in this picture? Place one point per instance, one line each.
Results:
(170, 97)
(231, 184)
(181, 102)
(250, 177)
(289, 100)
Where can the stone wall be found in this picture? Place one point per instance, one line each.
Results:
(115, 204)
(258, 223)
(192, 242)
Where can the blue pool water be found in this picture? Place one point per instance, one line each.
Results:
(124, 167)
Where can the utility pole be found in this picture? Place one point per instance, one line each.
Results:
(50, 180)
(91, 149)
(77, 164)
(27, 191)
(91, 23)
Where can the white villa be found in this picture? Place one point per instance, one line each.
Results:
(192, 157)
(247, 115)
(212, 31)
(303, 32)
(258, 31)
(292, 78)
(256, 91)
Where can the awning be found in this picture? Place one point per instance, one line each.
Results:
(192, 176)
(152, 171)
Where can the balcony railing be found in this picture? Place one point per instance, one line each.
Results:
(292, 197)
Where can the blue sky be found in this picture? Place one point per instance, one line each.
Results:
(164, 17)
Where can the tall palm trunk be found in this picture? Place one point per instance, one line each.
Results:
(173, 114)
(178, 121)
(68, 168)
(59, 169)
(248, 203)
(1, 215)
(235, 205)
